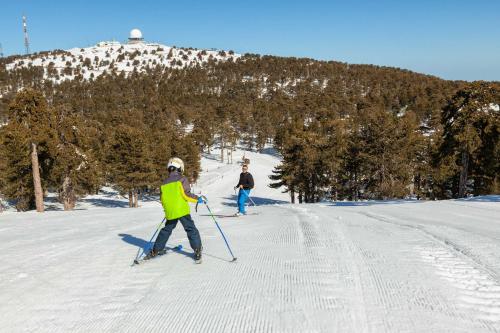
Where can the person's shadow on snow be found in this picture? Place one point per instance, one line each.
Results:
(146, 246)
(139, 242)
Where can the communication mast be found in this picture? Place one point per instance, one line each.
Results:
(26, 40)
(1, 51)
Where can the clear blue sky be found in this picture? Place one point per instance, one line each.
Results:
(453, 39)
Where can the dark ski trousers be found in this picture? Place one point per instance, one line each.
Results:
(191, 230)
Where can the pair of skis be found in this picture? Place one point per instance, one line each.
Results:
(231, 215)
(178, 248)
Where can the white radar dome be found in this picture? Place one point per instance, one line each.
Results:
(135, 34)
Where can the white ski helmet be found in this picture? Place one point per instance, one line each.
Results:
(176, 163)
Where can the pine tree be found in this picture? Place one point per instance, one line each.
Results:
(29, 109)
(287, 173)
(16, 175)
(387, 147)
(161, 150)
(470, 138)
(306, 166)
(75, 170)
(129, 161)
(185, 148)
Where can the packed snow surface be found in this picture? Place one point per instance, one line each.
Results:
(403, 266)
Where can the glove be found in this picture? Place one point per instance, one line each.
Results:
(202, 199)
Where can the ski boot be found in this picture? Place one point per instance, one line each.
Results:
(197, 256)
(153, 253)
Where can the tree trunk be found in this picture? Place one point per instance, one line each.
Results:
(314, 190)
(37, 183)
(69, 204)
(355, 195)
(300, 197)
(222, 149)
(68, 194)
(136, 199)
(130, 199)
(292, 196)
(462, 187)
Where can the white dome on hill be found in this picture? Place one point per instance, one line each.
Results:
(135, 34)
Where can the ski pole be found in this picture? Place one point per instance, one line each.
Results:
(139, 250)
(218, 227)
(248, 196)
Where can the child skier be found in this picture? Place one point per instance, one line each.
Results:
(175, 193)
(245, 184)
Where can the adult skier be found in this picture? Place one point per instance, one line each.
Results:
(245, 185)
(175, 194)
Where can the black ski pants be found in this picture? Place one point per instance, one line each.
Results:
(191, 230)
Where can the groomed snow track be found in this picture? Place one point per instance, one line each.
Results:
(302, 268)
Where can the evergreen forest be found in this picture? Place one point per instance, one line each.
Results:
(345, 132)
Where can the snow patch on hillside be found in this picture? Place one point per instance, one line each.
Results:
(114, 57)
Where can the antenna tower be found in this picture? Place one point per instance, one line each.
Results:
(1, 51)
(26, 40)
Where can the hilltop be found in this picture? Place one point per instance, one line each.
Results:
(114, 57)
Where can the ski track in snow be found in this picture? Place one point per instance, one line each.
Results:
(475, 284)
(403, 267)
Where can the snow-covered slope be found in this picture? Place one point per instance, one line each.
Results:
(108, 57)
(345, 267)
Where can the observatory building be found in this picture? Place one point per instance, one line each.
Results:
(135, 37)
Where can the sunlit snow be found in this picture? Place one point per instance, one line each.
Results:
(394, 266)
